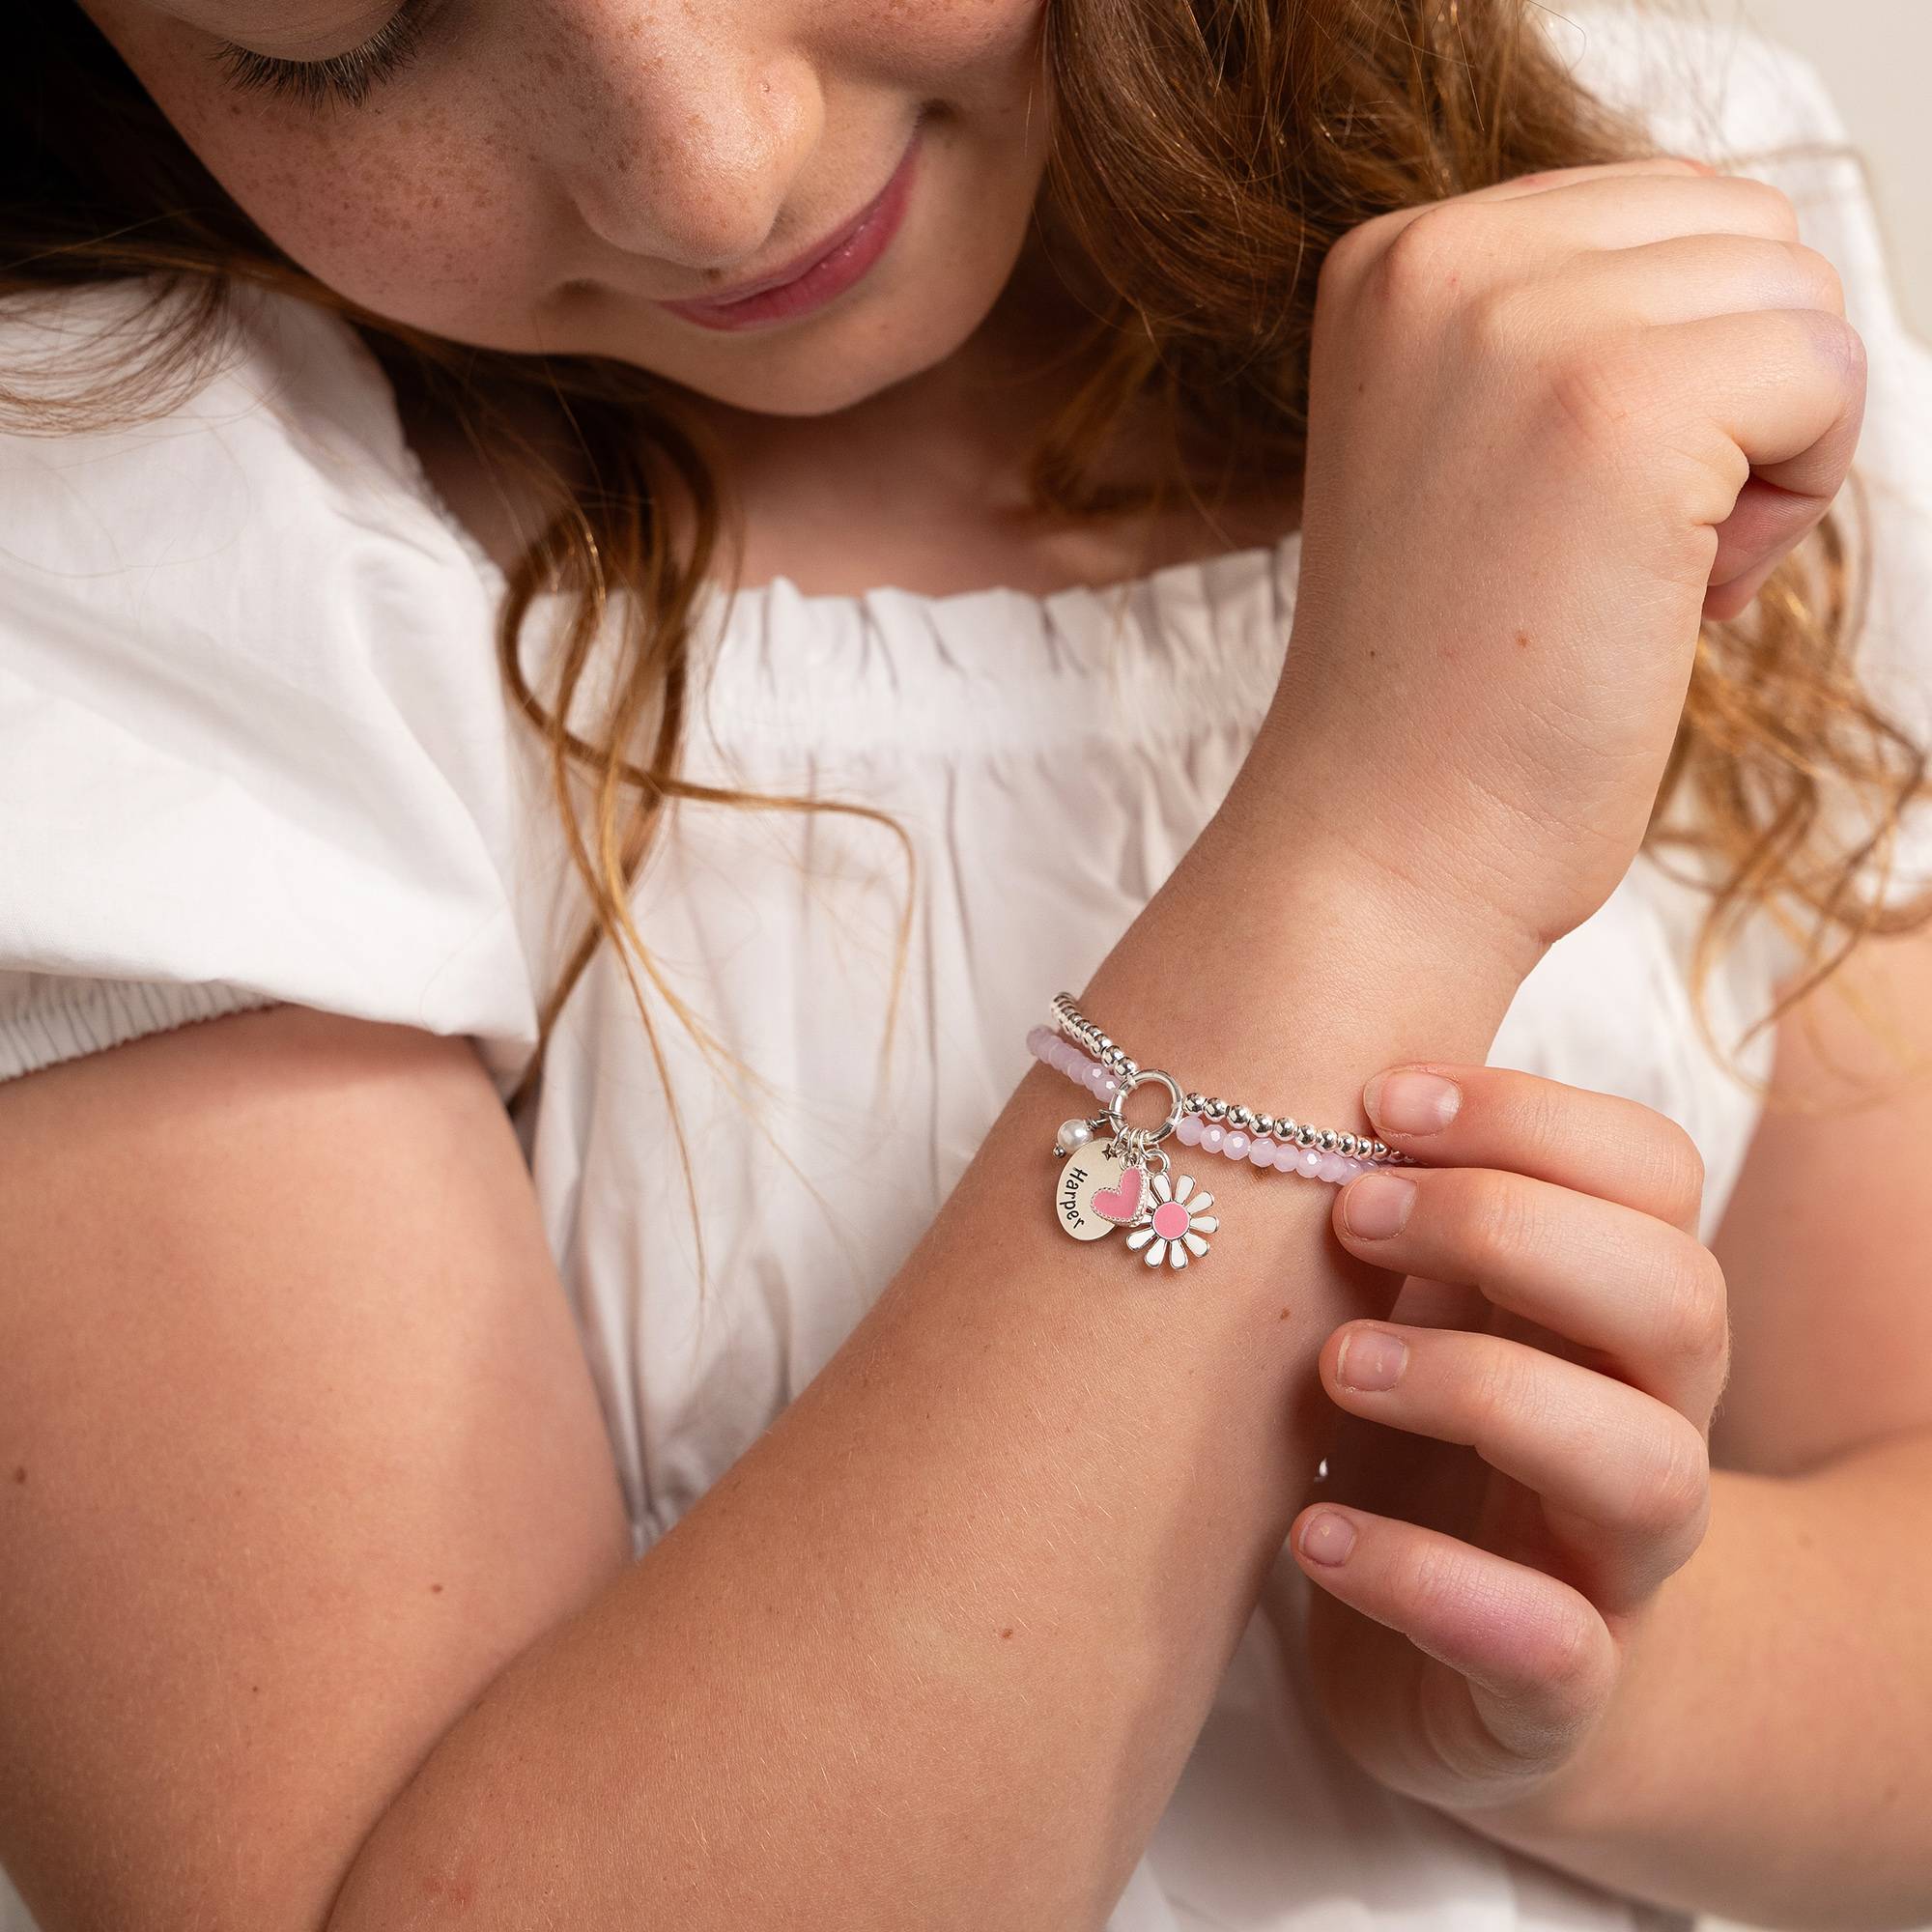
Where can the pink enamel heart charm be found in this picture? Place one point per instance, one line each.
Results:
(1121, 1201)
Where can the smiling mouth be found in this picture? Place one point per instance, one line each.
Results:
(824, 273)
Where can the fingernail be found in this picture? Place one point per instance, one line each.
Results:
(1327, 1538)
(1375, 1206)
(1370, 1358)
(1408, 1102)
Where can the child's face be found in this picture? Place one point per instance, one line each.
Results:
(547, 174)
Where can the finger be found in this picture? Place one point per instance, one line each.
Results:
(1787, 385)
(1371, 240)
(1538, 1657)
(1646, 1299)
(1622, 205)
(1612, 211)
(1624, 1480)
(1685, 277)
(1766, 525)
(1731, 597)
(1543, 179)
(1598, 1144)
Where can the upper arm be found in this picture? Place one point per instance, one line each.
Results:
(1824, 1243)
(298, 1449)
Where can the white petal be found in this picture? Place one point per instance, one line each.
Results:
(1185, 1187)
(1205, 1223)
(1155, 1255)
(1177, 1256)
(1199, 1204)
(1162, 1188)
(1140, 1237)
(1195, 1245)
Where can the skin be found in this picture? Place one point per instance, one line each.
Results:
(1568, 1608)
(541, 176)
(569, 1692)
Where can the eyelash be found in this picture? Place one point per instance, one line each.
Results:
(342, 80)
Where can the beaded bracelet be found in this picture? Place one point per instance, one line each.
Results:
(1104, 1185)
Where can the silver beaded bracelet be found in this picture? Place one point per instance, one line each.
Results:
(1107, 1184)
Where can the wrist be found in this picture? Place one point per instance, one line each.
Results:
(1414, 882)
(1290, 972)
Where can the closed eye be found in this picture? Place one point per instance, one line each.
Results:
(342, 80)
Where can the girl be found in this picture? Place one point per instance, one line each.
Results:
(1372, 595)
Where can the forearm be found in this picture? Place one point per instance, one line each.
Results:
(933, 1652)
(1766, 1757)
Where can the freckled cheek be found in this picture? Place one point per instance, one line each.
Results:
(941, 44)
(440, 235)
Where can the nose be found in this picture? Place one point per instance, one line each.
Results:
(688, 127)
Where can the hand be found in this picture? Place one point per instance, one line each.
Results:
(1554, 425)
(1526, 1460)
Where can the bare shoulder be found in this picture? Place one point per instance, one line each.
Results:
(298, 1449)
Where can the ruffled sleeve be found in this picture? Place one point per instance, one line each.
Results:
(253, 747)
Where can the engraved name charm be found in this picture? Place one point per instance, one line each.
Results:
(1099, 1191)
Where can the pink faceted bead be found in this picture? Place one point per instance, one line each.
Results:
(1261, 1151)
(1331, 1168)
(1235, 1146)
(1308, 1160)
(1109, 1087)
(1187, 1129)
(1288, 1158)
(1096, 1077)
(1212, 1138)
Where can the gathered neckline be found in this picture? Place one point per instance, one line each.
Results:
(849, 605)
(1187, 571)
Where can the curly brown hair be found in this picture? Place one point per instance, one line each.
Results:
(1204, 156)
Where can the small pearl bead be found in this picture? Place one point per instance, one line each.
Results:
(1212, 1138)
(1260, 1150)
(1235, 1146)
(1187, 1129)
(1073, 1134)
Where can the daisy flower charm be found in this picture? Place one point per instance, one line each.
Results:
(1179, 1225)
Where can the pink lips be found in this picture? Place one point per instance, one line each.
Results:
(815, 278)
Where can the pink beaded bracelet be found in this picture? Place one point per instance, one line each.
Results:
(1106, 1183)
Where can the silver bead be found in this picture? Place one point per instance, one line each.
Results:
(1128, 1068)
(1214, 1110)
(1106, 1044)
(1306, 1136)
(1377, 1150)
(1191, 1103)
(1346, 1144)
(1239, 1117)
(1265, 1125)
(1286, 1129)
(1330, 1139)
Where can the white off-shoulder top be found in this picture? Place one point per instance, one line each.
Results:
(254, 749)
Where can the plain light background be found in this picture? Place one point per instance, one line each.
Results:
(1874, 56)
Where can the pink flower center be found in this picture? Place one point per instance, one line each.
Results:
(1170, 1220)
